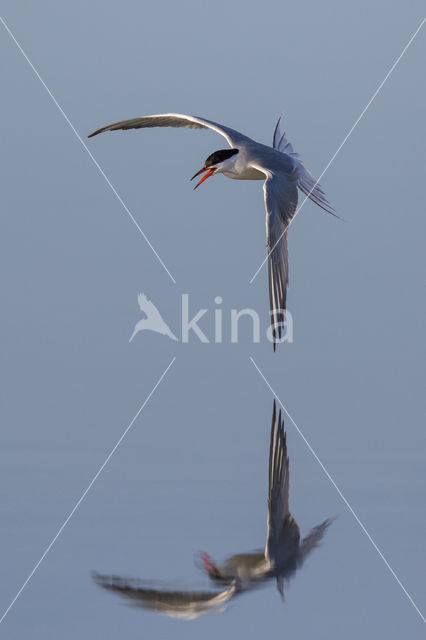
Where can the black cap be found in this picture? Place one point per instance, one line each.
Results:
(219, 156)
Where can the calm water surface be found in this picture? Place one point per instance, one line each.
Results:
(191, 475)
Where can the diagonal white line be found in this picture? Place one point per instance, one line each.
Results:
(86, 491)
(340, 494)
(95, 162)
(346, 138)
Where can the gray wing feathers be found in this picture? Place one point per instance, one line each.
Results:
(279, 479)
(278, 278)
(280, 202)
(176, 603)
(147, 122)
(173, 120)
(313, 190)
(306, 182)
(313, 539)
(281, 143)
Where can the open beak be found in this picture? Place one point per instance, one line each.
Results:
(209, 567)
(209, 173)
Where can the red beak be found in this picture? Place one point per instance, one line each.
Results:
(209, 173)
(209, 567)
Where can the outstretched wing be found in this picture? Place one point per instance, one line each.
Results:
(174, 120)
(279, 485)
(306, 182)
(176, 603)
(313, 539)
(280, 191)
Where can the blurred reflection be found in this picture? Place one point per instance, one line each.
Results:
(283, 555)
(179, 604)
(284, 552)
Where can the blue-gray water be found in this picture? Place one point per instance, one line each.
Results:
(191, 474)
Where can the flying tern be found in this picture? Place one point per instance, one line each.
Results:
(282, 171)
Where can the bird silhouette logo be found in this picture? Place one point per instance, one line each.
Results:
(153, 320)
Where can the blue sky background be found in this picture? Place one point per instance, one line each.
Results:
(192, 472)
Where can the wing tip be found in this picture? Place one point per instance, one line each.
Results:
(95, 133)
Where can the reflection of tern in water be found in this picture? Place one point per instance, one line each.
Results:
(176, 603)
(284, 553)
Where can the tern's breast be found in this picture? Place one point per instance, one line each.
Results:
(244, 173)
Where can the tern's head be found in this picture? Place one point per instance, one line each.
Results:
(218, 162)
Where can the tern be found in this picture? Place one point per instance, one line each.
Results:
(284, 553)
(282, 171)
